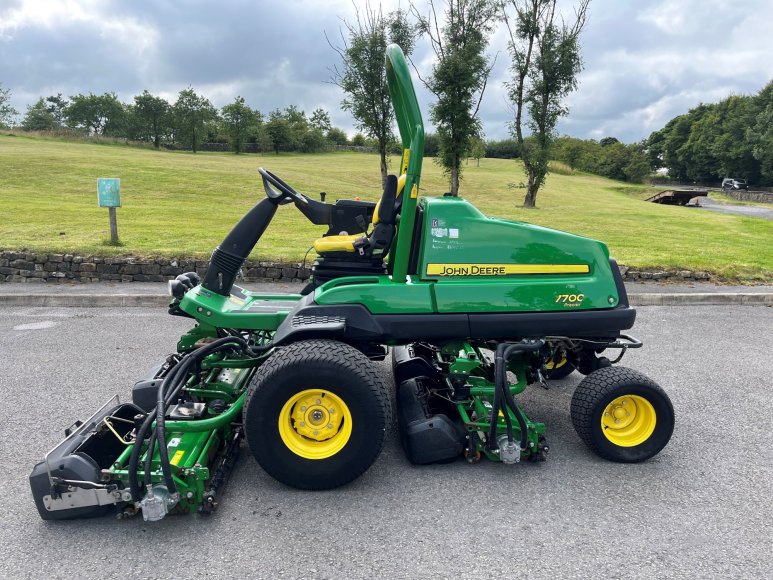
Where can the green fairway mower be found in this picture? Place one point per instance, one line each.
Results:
(474, 309)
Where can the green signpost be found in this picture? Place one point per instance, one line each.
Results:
(109, 196)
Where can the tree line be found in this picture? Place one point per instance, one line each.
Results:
(187, 123)
(731, 138)
(544, 52)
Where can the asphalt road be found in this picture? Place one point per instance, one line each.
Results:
(744, 210)
(700, 509)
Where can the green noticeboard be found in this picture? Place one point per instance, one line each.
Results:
(109, 192)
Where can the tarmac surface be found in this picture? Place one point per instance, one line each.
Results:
(700, 509)
(744, 210)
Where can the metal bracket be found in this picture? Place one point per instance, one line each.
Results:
(78, 497)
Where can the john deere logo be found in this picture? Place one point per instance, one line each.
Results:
(504, 269)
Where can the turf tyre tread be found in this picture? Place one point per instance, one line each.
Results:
(316, 354)
(602, 386)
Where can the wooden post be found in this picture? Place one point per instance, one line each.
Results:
(113, 226)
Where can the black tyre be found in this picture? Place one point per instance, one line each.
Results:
(622, 415)
(316, 414)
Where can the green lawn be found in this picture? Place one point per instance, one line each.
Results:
(180, 204)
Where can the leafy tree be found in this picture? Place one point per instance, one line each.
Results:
(459, 76)
(152, 115)
(320, 119)
(760, 133)
(298, 126)
(192, 112)
(337, 136)
(729, 145)
(362, 75)
(637, 167)
(655, 149)
(56, 106)
(7, 112)
(278, 129)
(96, 114)
(239, 121)
(615, 159)
(503, 149)
(313, 141)
(359, 140)
(477, 149)
(38, 117)
(431, 145)
(545, 53)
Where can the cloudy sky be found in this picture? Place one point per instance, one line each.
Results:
(645, 60)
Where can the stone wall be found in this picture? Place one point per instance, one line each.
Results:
(755, 196)
(35, 267)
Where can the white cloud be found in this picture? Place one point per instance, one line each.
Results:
(645, 61)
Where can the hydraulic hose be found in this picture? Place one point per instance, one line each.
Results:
(161, 402)
(142, 432)
(497, 405)
(169, 388)
(503, 353)
(492, 431)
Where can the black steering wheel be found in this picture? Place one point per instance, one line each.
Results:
(285, 191)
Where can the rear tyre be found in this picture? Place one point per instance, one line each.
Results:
(316, 414)
(622, 415)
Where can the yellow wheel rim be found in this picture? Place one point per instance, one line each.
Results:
(628, 420)
(315, 424)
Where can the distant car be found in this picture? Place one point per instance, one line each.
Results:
(730, 183)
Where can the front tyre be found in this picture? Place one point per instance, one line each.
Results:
(622, 415)
(316, 414)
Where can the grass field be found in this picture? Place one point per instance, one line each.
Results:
(180, 204)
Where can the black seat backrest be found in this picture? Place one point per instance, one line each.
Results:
(386, 209)
(376, 245)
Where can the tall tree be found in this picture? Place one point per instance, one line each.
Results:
(459, 76)
(192, 112)
(7, 112)
(39, 118)
(152, 114)
(362, 75)
(545, 53)
(97, 114)
(56, 106)
(278, 130)
(320, 119)
(239, 121)
(760, 134)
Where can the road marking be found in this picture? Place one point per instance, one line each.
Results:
(43, 325)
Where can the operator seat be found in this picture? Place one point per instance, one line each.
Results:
(360, 254)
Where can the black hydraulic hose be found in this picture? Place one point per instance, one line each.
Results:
(161, 403)
(149, 460)
(503, 353)
(179, 370)
(134, 458)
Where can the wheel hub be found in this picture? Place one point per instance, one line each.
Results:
(315, 423)
(314, 416)
(628, 420)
